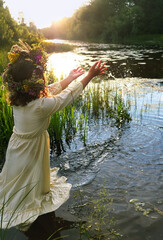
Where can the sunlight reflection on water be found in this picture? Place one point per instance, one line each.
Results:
(63, 63)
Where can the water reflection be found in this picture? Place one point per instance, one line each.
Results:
(130, 160)
(63, 63)
(123, 61)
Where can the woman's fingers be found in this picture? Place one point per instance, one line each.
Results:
(103, 65)
(103, 69)
(95, 64)
(79, 69)
(99, 63)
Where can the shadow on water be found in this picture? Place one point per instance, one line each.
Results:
(46, 226)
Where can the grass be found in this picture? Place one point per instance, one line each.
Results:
(57, 47)
(6, 119)
(97, 104)
(3, 57)
(145, 40)
(99, 223)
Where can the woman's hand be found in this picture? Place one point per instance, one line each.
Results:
(97, 69)
(75, 73)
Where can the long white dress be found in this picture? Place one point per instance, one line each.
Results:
(28, 187)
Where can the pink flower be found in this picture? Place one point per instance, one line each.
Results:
(31, 92)
(38, 58)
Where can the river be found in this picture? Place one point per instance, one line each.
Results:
(127, 162)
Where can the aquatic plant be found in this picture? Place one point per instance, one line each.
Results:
(120, 111)
(99, 223)
(3, 58)
(97, 104)
(56, 47)
(6, 119)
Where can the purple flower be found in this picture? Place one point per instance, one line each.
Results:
(13, 86)
(31, 92)
(38, 58)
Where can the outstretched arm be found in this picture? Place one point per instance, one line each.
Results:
(67, 96)
(97, 69)
(57, 87)
(75, 73)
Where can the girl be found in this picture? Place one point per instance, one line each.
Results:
(28, 187)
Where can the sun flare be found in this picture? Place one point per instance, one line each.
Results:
(43, 13)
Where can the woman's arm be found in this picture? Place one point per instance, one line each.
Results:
(96, 69)
(58, 102)
(57, 87)
(75, 73)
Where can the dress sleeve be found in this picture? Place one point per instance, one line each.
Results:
(54, 88)
(58, 102)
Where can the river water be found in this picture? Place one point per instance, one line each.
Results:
(128, 162)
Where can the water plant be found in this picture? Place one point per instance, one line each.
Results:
(97, 104)
(6, 119)
(99, 223)
(56, 47)
(3, 58)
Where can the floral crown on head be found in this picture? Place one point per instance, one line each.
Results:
(34, 54)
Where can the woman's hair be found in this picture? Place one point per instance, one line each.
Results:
(25, 74)
(20, 71)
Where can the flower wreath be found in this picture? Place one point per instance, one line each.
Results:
(38, 57)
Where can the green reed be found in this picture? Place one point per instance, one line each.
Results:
(6, 119)
(95, 220)
(96, 104)
(3, 58)
(56, 47)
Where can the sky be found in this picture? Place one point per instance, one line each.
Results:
(43, 12)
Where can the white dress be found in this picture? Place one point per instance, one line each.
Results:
(28, 187)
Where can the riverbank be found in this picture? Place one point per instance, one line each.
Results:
(155, 40)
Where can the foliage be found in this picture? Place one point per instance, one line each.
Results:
(97, 104)
(3, 58)
(6, 119)
(99, 224)
(110, 21)
(56, 47)
(11, 31)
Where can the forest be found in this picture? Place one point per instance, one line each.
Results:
(108, 21)
(11, 31)
(111, 21)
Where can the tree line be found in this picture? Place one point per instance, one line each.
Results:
(11, 31)
(100, 20)
(110, 21)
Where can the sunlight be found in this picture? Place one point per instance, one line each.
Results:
(43, 13)
(63, 63)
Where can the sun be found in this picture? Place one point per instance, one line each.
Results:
(43, 13)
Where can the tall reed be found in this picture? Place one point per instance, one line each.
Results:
(3, 58)
(6, 119)
(97, 104)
